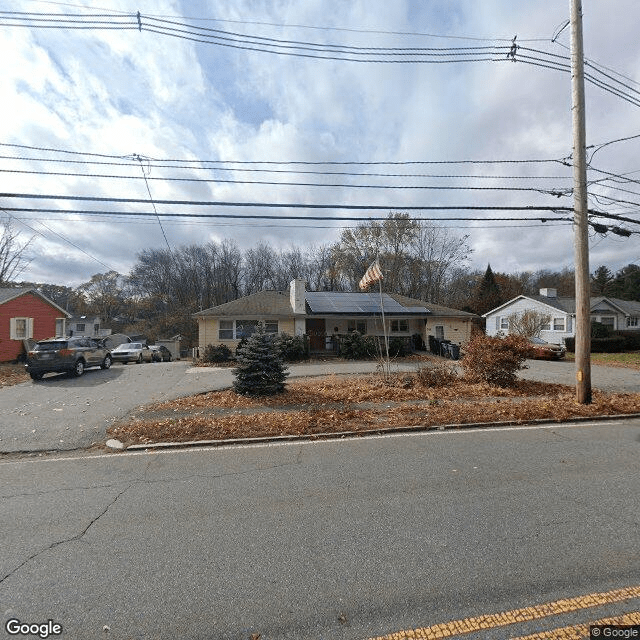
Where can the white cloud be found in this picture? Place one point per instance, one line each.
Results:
(125, 92)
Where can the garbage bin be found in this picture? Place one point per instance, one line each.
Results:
(454, 350)
(444, 348)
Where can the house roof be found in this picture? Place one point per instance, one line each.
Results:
(568, 305)
(7, 294)
(263, 303)
(322, 303)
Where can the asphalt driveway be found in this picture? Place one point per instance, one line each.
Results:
(66, 413)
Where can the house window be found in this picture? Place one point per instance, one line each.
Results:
(96, 329)
(439, 331)
(558, 324)
(59, 326)
(80, 327)
(504, 323)
(398, 326)
(225, 330)
(21, 328)
(609, 321)
(245, 328)
(546, 327)
(271, 327)
(357, 325)
(632, 321)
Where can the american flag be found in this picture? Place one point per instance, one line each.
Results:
(373, 274)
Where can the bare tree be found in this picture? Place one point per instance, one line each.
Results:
(13, 253)
(528, 323)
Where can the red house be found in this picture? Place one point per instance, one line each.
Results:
(26, 314)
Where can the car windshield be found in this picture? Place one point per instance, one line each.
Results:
(50, 346)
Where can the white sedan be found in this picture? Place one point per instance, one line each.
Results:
(132, 352)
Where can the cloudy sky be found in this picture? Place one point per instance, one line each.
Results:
(197, 106)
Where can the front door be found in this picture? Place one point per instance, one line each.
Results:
(317, 332)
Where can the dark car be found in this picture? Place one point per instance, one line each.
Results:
(543, 350)
(160, 353)
(72, 355)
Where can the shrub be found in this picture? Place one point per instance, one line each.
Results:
(441, 375)
(218, 353)
(614, 344)
(240, 345)
(599, 330)
(355, 346)
(396, 348)
(260, 370)
(292, 348)
(495, 360)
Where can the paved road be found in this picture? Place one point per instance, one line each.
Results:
(335, 540)
(62, 413)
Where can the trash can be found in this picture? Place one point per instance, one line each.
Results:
(444, 348)
(454, 350)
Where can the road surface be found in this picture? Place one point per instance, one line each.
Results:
(329, 540)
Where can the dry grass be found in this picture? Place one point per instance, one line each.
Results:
(11, 374)
(338, 404)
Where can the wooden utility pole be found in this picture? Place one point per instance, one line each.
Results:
(581, 220)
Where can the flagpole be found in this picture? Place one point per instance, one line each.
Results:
(384, 329)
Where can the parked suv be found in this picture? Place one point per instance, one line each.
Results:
(73, 355)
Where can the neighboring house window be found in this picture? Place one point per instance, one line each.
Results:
(397, 326)
(357, 325)
(59, 326)
(271, 327)
(80, 327)
(632, 322)
(21, 328)
(609, 321)
(96, 329)
(558, 324)
(439, 331)
(504, 323)
(225, 331)
(546, 327)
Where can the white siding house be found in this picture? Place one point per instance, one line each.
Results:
(618, 314)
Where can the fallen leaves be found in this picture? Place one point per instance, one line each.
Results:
(358, 404)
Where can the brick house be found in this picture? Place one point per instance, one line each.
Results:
(25, 314)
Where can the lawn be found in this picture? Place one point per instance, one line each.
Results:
(342, 404)
(629, 359)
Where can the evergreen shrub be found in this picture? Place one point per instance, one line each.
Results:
(260, 370)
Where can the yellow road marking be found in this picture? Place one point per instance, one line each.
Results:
(581, 631)
(469, 625)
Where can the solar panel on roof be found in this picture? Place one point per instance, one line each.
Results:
(344, 303)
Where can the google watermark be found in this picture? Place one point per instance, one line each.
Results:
(40, 629)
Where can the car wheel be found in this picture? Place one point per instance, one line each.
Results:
(36, 376)
(78, 369)
(107, 362)
(139, 360)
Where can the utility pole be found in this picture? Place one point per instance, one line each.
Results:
(581, 220)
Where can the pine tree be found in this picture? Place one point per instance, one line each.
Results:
(488, 295)
(601, 281)
(261, 370)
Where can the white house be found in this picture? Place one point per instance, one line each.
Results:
(615, 313)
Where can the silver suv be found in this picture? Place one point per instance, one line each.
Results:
(73, 355)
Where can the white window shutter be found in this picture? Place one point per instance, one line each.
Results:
(12, 329)
(569, 324)
(497, 323)
(29, 328)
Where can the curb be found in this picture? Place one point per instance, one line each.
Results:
(339, 435)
